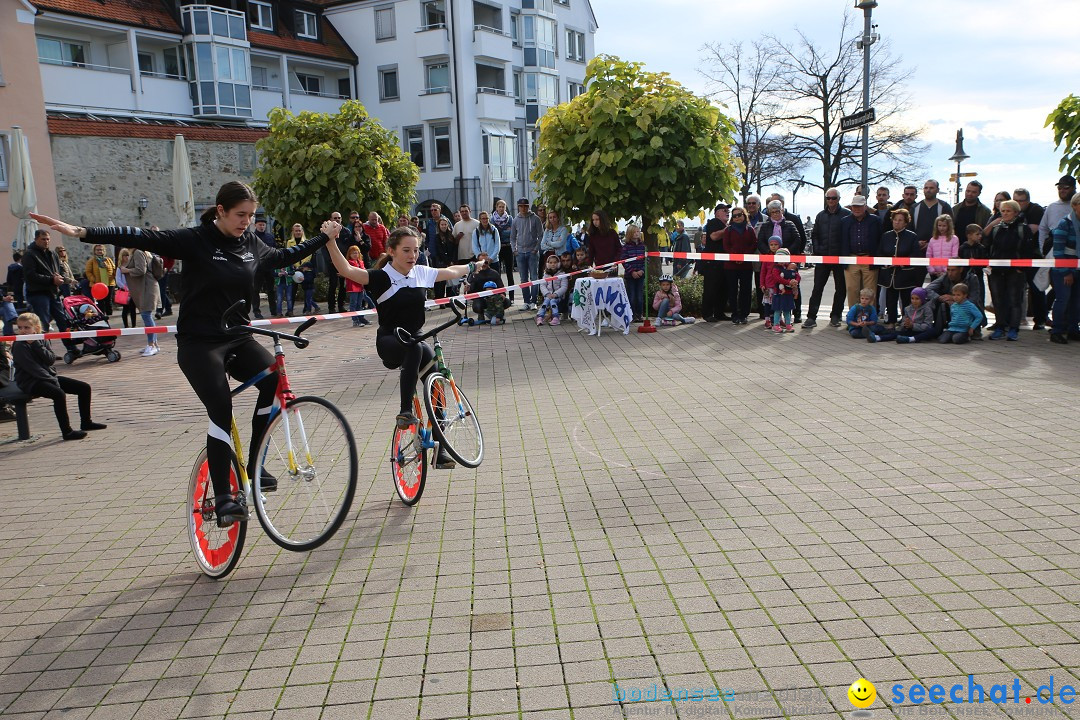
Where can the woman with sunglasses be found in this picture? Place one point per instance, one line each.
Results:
(739, 237)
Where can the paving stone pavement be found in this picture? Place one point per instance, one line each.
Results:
(706, 507)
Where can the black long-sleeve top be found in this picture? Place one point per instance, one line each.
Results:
(218, 270)
(34, 363)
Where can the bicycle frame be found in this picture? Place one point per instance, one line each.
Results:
(283, 394)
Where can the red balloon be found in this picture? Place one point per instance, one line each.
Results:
(100, 291)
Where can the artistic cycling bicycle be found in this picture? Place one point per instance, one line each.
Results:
(307, 445)
(451, 422)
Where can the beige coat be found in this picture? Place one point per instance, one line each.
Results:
(142, 284)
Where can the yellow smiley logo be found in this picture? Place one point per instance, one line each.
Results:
(862, 693)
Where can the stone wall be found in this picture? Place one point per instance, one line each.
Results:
(99, 179)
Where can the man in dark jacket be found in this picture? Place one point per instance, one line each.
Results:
(714, 288)
(860, 235)
(826, 238)
(41, 271)
(264, 279)
(970, 211)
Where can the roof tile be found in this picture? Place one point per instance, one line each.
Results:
(124, 129)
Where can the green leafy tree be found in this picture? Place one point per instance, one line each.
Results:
(314, 163)
(1066, 122)
(635, 144)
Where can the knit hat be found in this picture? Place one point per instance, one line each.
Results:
(777, 238)
(783, 251)
(919, 293)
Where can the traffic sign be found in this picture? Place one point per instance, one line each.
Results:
(954, 177)
(857, 120)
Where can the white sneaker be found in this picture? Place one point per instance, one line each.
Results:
(148, 351)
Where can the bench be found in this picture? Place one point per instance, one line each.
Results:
(19, 400)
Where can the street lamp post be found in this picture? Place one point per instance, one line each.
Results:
(869, 37)
(958, 157)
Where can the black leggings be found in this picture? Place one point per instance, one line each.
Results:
(203, 364)
(411, 358)
(58, 394)
(129, 309)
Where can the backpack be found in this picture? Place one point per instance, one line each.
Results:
(157, 267)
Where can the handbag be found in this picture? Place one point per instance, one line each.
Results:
(123, 297)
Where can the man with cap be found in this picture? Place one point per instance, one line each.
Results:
(860, 235)
(1055, 212)
(714, 287)
(525, 234)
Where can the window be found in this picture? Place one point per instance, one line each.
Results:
(261, 15)
(260, 78)
(61, 52)
(500, 153)
(573, 89)
(307, 25)
(309, 84)
(564, 3)
(518, 89)
(146, 63)
(3, 162)
(388, 83)
(575, 46)
(384, 24)
(437, 77)
(440, 137)
(344, 88)
(515, 30)
(414, 145)
(538, 37)
(433, 14)
(545, 5)
(541, 88)
(232, 64)
(174, 63)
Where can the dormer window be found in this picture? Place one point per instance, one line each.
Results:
(307, 25)
(261, 15)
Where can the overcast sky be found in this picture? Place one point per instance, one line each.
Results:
(993, 68)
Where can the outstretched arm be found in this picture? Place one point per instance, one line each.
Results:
(170, 243)
(459, 271)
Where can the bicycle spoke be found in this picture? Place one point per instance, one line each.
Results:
(309, 449)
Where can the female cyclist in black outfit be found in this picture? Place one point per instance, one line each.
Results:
(222, 259)
(398, 286)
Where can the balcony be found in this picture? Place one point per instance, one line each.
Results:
(315, 102)
(161, 94)
(495, 104)
(435, 105)
(89, 86)
(432, 40)
(263, 100)
(492, 43)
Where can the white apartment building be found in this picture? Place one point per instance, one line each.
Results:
(463, 83)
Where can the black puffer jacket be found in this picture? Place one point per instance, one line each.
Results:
(826, 235)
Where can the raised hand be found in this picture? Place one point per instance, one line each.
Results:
(331, 228)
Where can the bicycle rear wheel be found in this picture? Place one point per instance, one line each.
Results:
(310, 449)
(408, 464)
(217, 550)
(454, 421)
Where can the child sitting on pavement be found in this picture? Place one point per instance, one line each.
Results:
(964, 317)
(490, 309)
(566, 266)
(916, 324)
(861, 318)
(552, 290)
(35, 374)
(668, 303)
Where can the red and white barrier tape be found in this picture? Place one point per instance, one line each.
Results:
(167, 329)
(875, 260)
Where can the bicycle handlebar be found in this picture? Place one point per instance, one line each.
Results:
(409, 339)
(239, 305)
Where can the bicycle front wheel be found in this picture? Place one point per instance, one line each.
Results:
(456, 426)
(408, 464)
(309, 449)
(217, 550)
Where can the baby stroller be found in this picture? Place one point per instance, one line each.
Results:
(84, 314)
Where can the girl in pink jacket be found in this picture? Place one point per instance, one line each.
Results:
(668, 303)
(944, 244)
